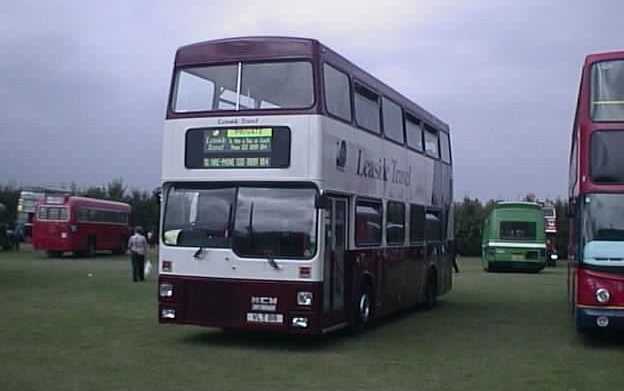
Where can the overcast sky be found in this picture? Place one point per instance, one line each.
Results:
(83, 84)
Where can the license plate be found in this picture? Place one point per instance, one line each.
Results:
(255, 317)
(517, 257)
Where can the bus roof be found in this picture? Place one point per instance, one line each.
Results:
(518, 204)
(73, 200)
(275, 47)
(597, 57)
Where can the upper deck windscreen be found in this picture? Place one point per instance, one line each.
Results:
(607, 91)
(244, 86)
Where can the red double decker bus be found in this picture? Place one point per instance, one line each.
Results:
(80, 225)
(596, 272)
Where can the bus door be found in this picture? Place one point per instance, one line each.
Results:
(334, 260)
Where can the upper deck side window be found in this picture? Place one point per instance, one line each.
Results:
(367, 108)
(445, 147)
(607, 91)
(392, 120)
(414, 133)
(432, 148)
(337, 92)
(244, 86)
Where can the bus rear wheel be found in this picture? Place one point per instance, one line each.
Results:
(122, 247)
(431, 291)
(53, 254)
(91, 248)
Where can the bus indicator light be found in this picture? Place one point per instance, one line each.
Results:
(167, 266)
(305, 272)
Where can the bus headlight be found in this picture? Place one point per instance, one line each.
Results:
(167, 313)
(166, 289)
(304, 298)
(602, 295)
(300, 322)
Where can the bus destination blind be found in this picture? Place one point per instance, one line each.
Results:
(243, 148)
(259, 147)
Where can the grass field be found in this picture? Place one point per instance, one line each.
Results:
(63, 330)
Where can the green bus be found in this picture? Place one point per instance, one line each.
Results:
(513, 238)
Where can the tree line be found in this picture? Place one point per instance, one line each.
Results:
(469, 213)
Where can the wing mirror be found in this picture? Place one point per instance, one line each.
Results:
(571, 211)
(323, 202)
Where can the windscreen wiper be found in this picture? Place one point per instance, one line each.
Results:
(273, 263)
(199, 254)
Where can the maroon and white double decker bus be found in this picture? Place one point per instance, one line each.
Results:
(596, 271)
(300, 193)
(80, 225)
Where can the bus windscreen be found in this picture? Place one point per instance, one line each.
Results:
(607, 160)
(607, 91)
(517, 230)
(250, 86)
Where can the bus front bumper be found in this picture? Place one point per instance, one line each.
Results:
(240, 304)
(600, 318)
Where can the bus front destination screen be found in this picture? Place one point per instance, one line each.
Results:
(267, 147)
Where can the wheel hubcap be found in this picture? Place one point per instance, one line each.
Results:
(364, 308)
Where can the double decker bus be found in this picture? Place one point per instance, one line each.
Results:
(300, 193)
(596, 270)
(80, 225)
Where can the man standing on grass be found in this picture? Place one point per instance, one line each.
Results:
(137, 244)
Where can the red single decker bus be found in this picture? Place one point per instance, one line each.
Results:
(596, 272)
(80, 225)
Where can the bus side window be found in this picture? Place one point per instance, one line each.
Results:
(445, 147)
(368, 222)
(417, 223)
(392, 120)
(337, 92)
(431, 143)
(414, 133)
(433, 226)
(395, 226)
(367, 109)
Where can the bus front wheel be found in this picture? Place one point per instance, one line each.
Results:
(362, 308)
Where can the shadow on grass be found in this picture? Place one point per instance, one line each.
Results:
(266, 340)
(603, 339)
(301, 343)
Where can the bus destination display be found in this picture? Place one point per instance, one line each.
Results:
(238, 148)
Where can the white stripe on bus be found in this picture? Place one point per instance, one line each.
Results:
(517, 245)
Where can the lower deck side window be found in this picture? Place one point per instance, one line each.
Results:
(368, 222)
